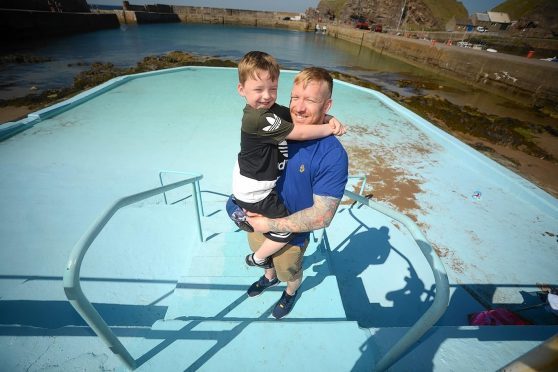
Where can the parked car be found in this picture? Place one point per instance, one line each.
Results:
(464, 44)
(363, 25)
(481, 29)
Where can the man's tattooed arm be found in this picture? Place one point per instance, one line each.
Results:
(317, 216)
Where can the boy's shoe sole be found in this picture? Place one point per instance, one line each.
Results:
(267, 264)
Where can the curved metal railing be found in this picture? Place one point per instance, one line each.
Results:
(441, 300)
(199, 201)
(72, 286)
(84, 307)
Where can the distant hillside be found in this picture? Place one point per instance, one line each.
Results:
(539, 17)
(418, 14)
(518, 8)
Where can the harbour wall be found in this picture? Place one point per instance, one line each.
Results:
(256, 18)
(191, 14)
(32, 24)
(132, 17)
(531, 82)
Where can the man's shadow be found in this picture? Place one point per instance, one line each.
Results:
(371, 247)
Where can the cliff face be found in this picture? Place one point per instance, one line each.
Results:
(410, 14)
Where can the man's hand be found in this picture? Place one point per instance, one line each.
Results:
(337, 128)
(258, 222)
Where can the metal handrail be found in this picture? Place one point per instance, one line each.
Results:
(363, 184)
(441, 299)
(72, 286)
(197, 189)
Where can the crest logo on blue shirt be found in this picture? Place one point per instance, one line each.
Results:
(301, 169)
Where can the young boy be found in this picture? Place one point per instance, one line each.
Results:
(263, 150)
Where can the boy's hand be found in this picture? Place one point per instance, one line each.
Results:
(337, 128)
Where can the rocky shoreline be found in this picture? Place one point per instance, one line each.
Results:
(527, 148)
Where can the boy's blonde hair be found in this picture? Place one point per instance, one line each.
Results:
(316, 74)
(252, 62)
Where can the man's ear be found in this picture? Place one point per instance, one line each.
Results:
(240, 89)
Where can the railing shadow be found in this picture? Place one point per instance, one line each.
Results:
(369, 246)
(364, 247)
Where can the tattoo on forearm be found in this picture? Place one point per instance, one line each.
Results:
(315, 217)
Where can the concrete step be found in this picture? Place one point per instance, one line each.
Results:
(223, 254)
(216, 279)
(225, 298)
(252, 345)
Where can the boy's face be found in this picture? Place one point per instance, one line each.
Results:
(260, 92)
(309, 104)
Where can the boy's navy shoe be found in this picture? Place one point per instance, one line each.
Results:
(284, 306)
(267, 264)
(261, 285)
(237, 215)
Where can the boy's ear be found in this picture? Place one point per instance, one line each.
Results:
(328, 105)
(240, 89)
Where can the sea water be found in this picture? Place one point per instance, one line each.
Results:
(126, 46)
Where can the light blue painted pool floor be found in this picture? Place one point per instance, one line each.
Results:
(178, 304)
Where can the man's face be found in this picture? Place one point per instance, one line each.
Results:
(260, 92)
(309, 104)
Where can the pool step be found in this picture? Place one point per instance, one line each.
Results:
(225, 298)
(211, 323)
(216, 279)
(253, 345)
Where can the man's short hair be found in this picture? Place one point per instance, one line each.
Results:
(317, 74)
(252, 62)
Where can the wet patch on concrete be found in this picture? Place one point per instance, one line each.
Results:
(387, 179)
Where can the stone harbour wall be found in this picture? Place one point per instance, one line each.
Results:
(529, 81)
(141, 17)
(32, 24)
(191, 14)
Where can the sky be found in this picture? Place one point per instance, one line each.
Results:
(472, 6)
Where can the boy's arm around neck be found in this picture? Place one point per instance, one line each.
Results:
(309, 132)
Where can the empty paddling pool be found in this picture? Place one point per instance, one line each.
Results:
(178, 303)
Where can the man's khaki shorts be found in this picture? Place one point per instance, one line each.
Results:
(287, 261)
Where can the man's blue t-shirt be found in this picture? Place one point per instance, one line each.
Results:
(316, 167)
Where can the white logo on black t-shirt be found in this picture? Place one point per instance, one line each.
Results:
(274, 122)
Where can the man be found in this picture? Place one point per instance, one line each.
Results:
(311, 187)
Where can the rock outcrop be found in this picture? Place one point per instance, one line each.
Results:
(409, 14)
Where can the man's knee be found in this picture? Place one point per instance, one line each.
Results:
(255, 240)
(288, 262)
(289, 275)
